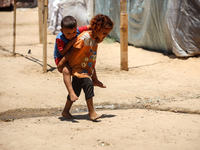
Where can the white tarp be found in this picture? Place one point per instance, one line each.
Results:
(82, 10)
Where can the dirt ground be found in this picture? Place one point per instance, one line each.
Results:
(155, 105)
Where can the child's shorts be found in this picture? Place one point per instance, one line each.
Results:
(82, 83)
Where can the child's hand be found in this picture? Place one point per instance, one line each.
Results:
(60, 67)
(89, 27)
(73, 41)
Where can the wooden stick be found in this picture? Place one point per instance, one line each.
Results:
(45, 9)
(124, 35)
(14, 27)
(40, 20)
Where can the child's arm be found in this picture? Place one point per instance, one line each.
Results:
(68, 46)
(95, 80)
(77, 46)
(64, 60)
(85, 28)
(89, 27)
(64, 50)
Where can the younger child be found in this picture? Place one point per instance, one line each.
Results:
(82, 59)
(64, 41)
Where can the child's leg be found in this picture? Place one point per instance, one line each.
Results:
(88, 88)
(68, 84)
(93, 115)
(67, 107)
(77, 89)
(96, 82)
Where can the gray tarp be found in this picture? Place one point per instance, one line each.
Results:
(184, 26)
(161, 25)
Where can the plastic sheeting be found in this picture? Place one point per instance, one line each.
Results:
(82, 10)
(184, 26)
(146, 25)
(161, 25)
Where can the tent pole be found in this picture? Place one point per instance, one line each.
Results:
(14, 27)
(40, 20)
(124, 34)
(93, 8)
(45, 9)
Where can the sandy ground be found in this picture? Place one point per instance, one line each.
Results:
(155, 105)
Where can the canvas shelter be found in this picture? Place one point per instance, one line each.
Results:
(159, 25)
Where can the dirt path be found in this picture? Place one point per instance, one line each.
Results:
(130, 103)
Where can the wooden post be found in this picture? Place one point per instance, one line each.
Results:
(45, 9)
(40, 20)
(14, 27)
(124, 34)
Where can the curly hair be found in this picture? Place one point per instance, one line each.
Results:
(101, 21)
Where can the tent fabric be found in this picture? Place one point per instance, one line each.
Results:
(184, 26)
(165, 26)
(82, 10)
(160, 25)
(146, 24)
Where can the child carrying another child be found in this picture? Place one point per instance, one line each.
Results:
(64, 41)
(82, 59)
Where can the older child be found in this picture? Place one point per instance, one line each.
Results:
(82, 59)
(64, 41)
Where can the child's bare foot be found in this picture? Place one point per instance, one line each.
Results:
(73, 97)
(94, 116)
(98, 83)
(67, 115)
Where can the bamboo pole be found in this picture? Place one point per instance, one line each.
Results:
(40, 20)
(124, 34)
(14, 27)
(45, 9)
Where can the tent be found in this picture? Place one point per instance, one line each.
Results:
(161, 25)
